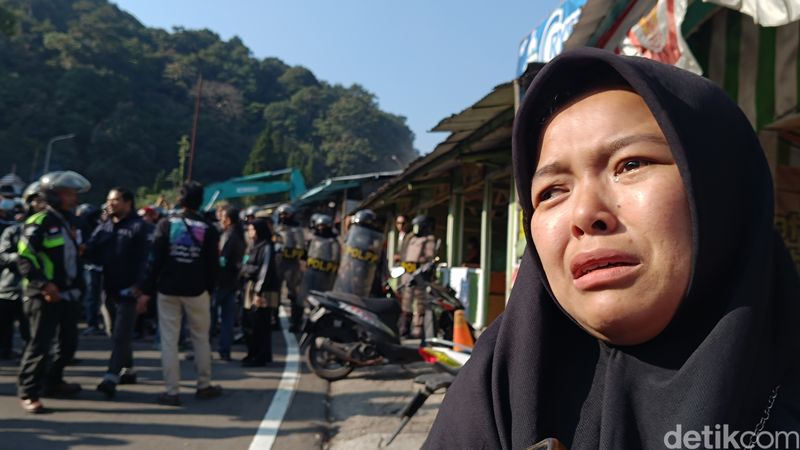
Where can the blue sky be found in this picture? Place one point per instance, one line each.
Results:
(424, 60)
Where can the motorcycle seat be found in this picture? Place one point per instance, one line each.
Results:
(378, 305)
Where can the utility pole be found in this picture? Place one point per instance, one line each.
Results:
(194, 124)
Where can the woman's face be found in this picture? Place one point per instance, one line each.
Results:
(251, 233)
(611, 220)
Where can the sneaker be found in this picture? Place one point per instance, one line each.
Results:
(108, 388)
(169, 400)
(209, 392)
(62, 389)
(31, 405)
(127, 378)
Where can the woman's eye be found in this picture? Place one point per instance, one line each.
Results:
(630, 165)
(547, 194)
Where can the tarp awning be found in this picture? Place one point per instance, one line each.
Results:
(767, 13)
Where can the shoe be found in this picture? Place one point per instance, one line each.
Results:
(93, 331)
(31, 405)
(62, 389)
(108, 388)
(225, 357)
(127, 378)
(189, 356)
(169, 400)
(208, 392)
(254, 362)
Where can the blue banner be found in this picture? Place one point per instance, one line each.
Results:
(547, 40)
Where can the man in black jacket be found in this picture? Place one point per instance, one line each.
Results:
(120, 245)
(183, 273)
(48, 262)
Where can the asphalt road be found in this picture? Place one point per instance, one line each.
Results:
(350, 414)
(133, 419)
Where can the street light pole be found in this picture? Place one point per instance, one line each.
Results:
(50, 143)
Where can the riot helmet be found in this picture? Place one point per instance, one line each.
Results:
(285, 213)
(365, 218)
(52, 183)
(312, 220)
(31, 192)
(322, 224)
(422, 225)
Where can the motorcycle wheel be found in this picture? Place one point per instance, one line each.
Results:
(325, 365)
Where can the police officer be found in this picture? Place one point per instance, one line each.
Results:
(418, 249)
(10, 282)
(48, 261)
(361, 255)
(323, 257)
(290, 248)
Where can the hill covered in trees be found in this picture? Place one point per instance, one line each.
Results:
(127, 92)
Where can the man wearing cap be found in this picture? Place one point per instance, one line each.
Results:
(48, 264)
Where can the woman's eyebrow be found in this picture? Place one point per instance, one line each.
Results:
(625, 141)
(617, 144)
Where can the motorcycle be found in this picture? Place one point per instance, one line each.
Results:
(345, 331)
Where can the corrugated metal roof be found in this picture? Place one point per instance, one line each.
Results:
(461, 126)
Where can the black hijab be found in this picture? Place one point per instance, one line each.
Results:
(263, 232)
(536, 374)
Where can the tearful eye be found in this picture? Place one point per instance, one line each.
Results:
(547, 194)
(630, 165)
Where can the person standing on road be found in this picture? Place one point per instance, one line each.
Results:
(419, 248)
(10, 279)
(231, 252)
(88, 218)
(261, 293)
(290, 248)
(183, 273)
(121, 247)
(363, 258)
(324, 251)
(48, 262)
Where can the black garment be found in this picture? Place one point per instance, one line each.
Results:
(122, 312)
(536, 374)
(185, 256)
(259, 267)
(122, 249)
(10, 279)
(10, 291)
(47, 321)
(258, 332)
(232, 248)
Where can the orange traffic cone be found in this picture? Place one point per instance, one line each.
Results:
(462, 338)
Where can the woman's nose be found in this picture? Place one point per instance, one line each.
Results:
(592, 212)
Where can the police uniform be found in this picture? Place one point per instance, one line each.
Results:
(290, 249)
(48, 253)
(417, 250)
(321, 265)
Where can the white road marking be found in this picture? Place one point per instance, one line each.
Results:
(271, 424)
